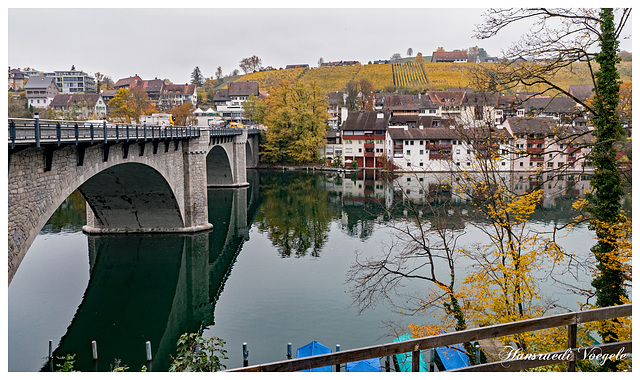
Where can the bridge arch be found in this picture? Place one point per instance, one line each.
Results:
(219, 170)
(131, 197)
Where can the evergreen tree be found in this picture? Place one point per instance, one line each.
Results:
(196, 77)
(605, 200)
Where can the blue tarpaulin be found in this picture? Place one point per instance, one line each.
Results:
(368, 365)
(453, 356)
(311, 349)
(404, 360)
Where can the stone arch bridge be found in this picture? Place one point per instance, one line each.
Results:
(135, 179)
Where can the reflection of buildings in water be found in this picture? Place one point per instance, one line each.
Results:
(420, 187)
(554, 185)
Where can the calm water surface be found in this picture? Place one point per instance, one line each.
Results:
(272, 271)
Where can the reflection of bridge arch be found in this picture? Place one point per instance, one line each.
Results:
(163, 285)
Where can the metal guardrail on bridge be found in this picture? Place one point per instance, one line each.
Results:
(36, 132)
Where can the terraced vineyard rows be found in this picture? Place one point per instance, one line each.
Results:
(408, 74)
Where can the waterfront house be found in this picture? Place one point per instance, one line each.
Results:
(363, 138)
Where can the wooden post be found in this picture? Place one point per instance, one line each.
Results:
(572, 338)
(432, 360)
(149, 355)
(415, 359)
(289, 350)
(51, 355)
(245, 355)
(337, 349)
(94, 352)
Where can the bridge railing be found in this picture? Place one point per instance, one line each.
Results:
(38, 131)
(225, 131)
(570, 355)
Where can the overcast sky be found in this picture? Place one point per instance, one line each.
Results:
(169, 43)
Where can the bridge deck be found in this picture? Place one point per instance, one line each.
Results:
(35, 132)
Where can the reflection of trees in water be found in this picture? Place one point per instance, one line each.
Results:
(70, 216)
(295, 213)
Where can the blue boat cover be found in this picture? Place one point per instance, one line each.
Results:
(453, 356)
(368, 365)
(311, 349)
(404, 360)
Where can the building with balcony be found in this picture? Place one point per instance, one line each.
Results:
(73, 81)
(544, 144)
(363, 138)
(228, 101)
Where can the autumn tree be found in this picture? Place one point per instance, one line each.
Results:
(141, 103)
(359, 95)
(121, 107)
(182, 113)
(296, 118)
(250, 64)
(219, 75)
(424, 248)
(99, 80)
(419, 58)
(196, 77)
(409, 52)
(254, 109)
(561, 37)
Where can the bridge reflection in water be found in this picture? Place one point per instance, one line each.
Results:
(154, 287)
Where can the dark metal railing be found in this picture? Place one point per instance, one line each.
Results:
(37, 132)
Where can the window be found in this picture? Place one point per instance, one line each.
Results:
(421, 164)
(421, 142)
(406, 142)
(408, 152)
(521, 163)
(359, 150)
(408, 179)
(411, 142)
(421, 152)
(549, 164)
(457, 151)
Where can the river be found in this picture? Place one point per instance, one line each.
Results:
(272, 271)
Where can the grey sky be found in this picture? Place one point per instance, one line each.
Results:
(169, 43)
